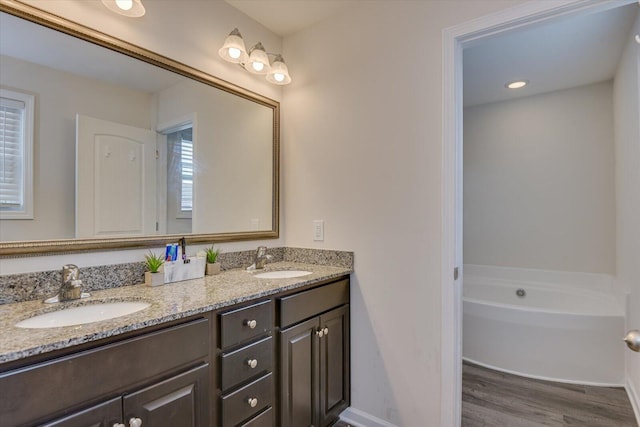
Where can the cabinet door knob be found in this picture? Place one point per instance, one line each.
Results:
(135, 422)
(251, 323)
(253, 402)
(320, 333)
(326, 331)
(252, 363)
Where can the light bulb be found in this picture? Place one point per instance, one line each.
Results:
(517, 84)
(234, 52)
(258, 66)
(124, 4)
(278, 77)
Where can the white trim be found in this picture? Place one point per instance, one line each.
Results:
(358, 418)
(634, 398)
(189, 120)
(454, 38)
(451, 339)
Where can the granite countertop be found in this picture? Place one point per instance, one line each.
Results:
(168, 302)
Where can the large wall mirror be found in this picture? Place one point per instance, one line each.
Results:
(128, 148)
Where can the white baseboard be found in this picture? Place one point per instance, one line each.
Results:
(358, 418)
(634, 398)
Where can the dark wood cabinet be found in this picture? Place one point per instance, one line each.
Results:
(246, 363)
(178, 401)
(106, 414)
(83, 388)
(281, 361)
(182, 400)
(314, 359)
(299, 374)
(334, 365)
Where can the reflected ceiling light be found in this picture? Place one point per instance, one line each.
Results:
(256, 61)
(517, 84)
(130, 8)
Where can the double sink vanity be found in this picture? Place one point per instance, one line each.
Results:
(265, 348)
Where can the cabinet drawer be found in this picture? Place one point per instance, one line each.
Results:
(236, 406)
(236, 366)
(264, 419)
(238, 325)
(303, 305)
(46, 389)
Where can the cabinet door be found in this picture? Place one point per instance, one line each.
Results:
(334, 365)
(298, 374)
(106, 414)
(182, 401)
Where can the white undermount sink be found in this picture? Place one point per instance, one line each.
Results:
(83, 314)
(282, 274)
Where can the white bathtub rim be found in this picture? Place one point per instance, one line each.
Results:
(534, 309)
(514, 283)
(597, 282)
(543, 378)
(617, 307)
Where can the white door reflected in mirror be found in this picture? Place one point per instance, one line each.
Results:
(116, 179)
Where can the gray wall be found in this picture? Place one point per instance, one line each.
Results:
(539, 187)
(59, 97)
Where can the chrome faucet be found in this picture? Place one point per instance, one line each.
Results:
(71, 288)
(261, 257)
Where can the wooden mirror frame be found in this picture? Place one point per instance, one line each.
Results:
(46, 247)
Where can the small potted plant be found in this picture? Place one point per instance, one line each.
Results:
(213, 266)
(154, 276)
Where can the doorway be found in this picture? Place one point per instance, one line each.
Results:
(455, 39)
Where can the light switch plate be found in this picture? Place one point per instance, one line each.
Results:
(318, 230)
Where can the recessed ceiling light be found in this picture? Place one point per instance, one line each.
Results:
(131, 8)
(517, 84)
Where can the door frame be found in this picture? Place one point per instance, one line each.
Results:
(454, 40)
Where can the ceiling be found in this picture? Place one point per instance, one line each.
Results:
(563, 53)
(566, 52)
(285, 17)
(24, 40)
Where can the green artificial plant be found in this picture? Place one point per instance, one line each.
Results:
(153, 262)
(212, 255)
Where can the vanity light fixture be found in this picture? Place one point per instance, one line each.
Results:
(517, 84)
(256, 61)
(130, 8)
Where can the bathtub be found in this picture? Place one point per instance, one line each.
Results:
(564, 327)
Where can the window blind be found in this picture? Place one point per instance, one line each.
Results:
(12, 117)
(186, 166)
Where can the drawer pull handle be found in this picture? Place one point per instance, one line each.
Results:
(252, 363)
(135, 422)
(119, 425)
(326, 331)
(251, 323)
(253, 402)
(320, 333)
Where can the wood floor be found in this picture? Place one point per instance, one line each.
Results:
(496, 399)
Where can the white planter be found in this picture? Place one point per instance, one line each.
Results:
(153, 279)
(213, 268)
